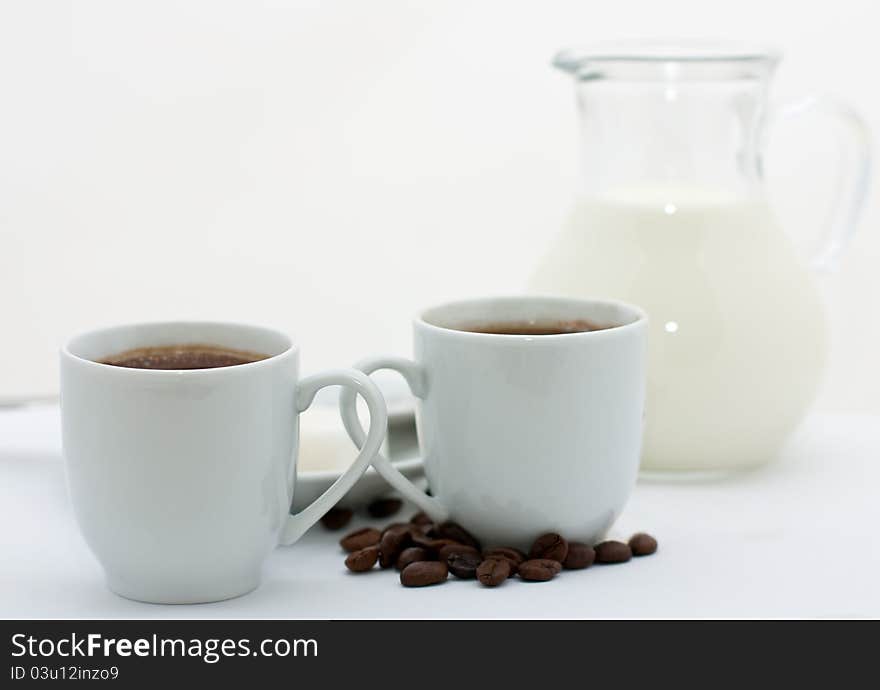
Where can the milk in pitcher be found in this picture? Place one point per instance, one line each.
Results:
(737, 336)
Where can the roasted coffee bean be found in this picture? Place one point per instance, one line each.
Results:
(337, 518)
(430, 543)
(454, 531)
(362, 560)
(579, 556)
(390, 546)
(612, 552)
(413, 554)
(551, 546)
(384, 507)
(421, 518)
(424, 573)
(642, 544)
(360, 539)
(493, 571)
(515, 555)
(448, 549)
(398, 527)
(464, 565)
(539, 569)
(422, 530)
(426, 529)
(424, 541)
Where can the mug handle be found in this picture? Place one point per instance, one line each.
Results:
(414, 376)
(353, 382)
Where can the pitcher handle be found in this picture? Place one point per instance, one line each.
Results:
(852, 180)
(414, 375)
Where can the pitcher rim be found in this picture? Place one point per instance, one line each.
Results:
(648, 50)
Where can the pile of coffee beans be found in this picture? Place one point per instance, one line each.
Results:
(426, 553)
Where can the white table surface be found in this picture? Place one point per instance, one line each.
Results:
(797, 539)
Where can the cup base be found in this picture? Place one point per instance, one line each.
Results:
(183, 593)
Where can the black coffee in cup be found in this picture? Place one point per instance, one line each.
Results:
(536, 327)
(178, 357)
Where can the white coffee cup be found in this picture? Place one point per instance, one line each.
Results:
(182, 480)
(522, 434)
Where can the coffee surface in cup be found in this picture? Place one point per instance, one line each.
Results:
(535, 327)
(194, 356)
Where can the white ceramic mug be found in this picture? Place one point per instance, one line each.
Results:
(522, 434)
(182, 480)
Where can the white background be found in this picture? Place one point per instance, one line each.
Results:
(329, 167)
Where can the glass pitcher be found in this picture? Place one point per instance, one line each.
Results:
(672, 215)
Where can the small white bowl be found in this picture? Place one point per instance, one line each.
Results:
(310, 485)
